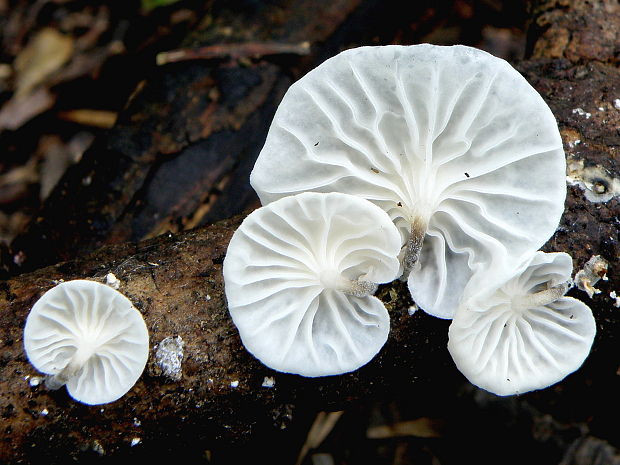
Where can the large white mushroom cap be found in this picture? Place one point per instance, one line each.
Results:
(299, 274)
(523, 333)
(451, 140)
(88, 336)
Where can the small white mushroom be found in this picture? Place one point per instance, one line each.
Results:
(300, 274)
(522, 333)
(453, 143)
(89, 337)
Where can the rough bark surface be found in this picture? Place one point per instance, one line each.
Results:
(578, 30)
(176, 282)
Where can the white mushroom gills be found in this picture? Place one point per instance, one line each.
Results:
(73, 369)
(540, 298)
(88, 337)
(452, 143)
(413, 247)
(299, 277)
(333, 279)
(516, 331)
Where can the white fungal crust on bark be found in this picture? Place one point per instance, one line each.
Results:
(522, 333)
(89, 337)
(299, 276)
(448, 137)
(593, 271)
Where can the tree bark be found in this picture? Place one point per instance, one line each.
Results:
(578, 30)
(176, 282)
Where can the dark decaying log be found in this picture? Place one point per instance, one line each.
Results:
(182, 150)
(175, 280)
(578, 30)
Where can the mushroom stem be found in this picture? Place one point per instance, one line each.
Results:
(61, 378)
(360, 288)
(541, 298)
(333, 279)
(414, 245)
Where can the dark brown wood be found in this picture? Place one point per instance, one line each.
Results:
(176, 282)
(578, 30)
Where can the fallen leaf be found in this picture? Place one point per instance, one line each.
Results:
(96, 118)
(420, 427)
(17, 111)
(11, 224)
(14, 183)
(25, 174)
(45, 53)
(58, 156)
(5, 71)
(323, 424)
(55, 162)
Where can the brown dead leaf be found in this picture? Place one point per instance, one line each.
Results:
(85, 64)
(322, 459)
(96, 118)
(17, 111)
(24, 174)
(11, 225)
(14, 183)
(420, 427)
(323, 424)
(57, 157)
(5, 71)
(45, 53)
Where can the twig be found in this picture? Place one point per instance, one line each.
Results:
(233, 51)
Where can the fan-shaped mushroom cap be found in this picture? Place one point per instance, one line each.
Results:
(450, 140)
(299, 274)
(89, 337)
(523, 334)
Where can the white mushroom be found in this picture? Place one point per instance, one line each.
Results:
(522, 333)
(300, 274)
(453, 143)
(89, 337)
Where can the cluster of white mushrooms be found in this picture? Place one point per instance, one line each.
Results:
(438, 165)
